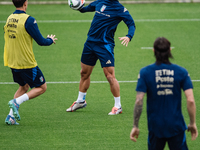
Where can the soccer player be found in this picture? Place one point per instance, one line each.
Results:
(19, 31)
(163, 81)
(100, 45)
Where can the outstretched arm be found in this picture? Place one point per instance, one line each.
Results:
(89, 8)
(128, 20)
(33, 30)
(137, 113)
(125, 40)
(191, 107)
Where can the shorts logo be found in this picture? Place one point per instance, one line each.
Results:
(41, 79)
(103, 8)
(108, 62)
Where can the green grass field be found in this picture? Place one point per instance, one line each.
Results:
(44, 122)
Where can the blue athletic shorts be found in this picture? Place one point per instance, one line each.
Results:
(177, 142)
(93, 51)
(33, 77)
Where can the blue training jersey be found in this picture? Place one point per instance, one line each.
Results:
(33, 30)
(108, 14)
(163, 84)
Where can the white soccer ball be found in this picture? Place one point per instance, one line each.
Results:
(76, 4)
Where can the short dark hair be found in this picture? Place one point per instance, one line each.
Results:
(18, 3)
(162, 50)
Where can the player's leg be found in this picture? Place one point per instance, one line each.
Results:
(26, 77)
(105, 54)
(14, 106)
(85, 72)
(37, 91)
(21, 90)
(178, 142)
(84, 84)
(88, 61)
(17, 101)
(35, 79)
(155, 143)
(110, 76)
(115, 89)
(10, 119)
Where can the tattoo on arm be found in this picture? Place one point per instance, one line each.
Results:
(138, 108)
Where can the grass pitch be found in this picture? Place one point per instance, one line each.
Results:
(45, 124)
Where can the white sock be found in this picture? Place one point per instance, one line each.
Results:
(81, 97)
(11, 112)
(22, 99)
(117, 102)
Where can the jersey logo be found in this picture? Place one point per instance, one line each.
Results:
(125, 10)
(34, 22)
(165, 92)
(103, 8)
(12, 36)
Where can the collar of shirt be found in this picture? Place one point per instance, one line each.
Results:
(19, 12)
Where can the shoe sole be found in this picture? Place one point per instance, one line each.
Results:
(78, 108)
(8, 122)
(15, 111)
(115, 113)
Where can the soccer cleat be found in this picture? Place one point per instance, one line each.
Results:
(12, 104)
(115, 111)
(11, 120)
(76, 106)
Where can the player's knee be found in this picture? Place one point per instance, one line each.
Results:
(25, 88)
(84, 74)
(110, 78)
(43, 88)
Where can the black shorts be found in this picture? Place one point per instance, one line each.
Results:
(93, 51)
(33, 77)
(177, 142)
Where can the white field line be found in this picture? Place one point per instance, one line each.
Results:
(165, 20)
(136, 20)
(71, 82)
(75, 82)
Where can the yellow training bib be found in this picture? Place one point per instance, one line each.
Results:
(18, 48)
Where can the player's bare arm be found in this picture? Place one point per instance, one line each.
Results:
(137, 113)
(138, 108)
(125, 40)
(191, 107)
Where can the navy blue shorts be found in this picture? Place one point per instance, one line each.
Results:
(177, 142)
(93, 51)
(33, 77)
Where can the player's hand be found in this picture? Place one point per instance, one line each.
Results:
(53, 38)
(125, 40)
(134, 134)
(193, 130)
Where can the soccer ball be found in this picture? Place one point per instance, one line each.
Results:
(76, 4)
